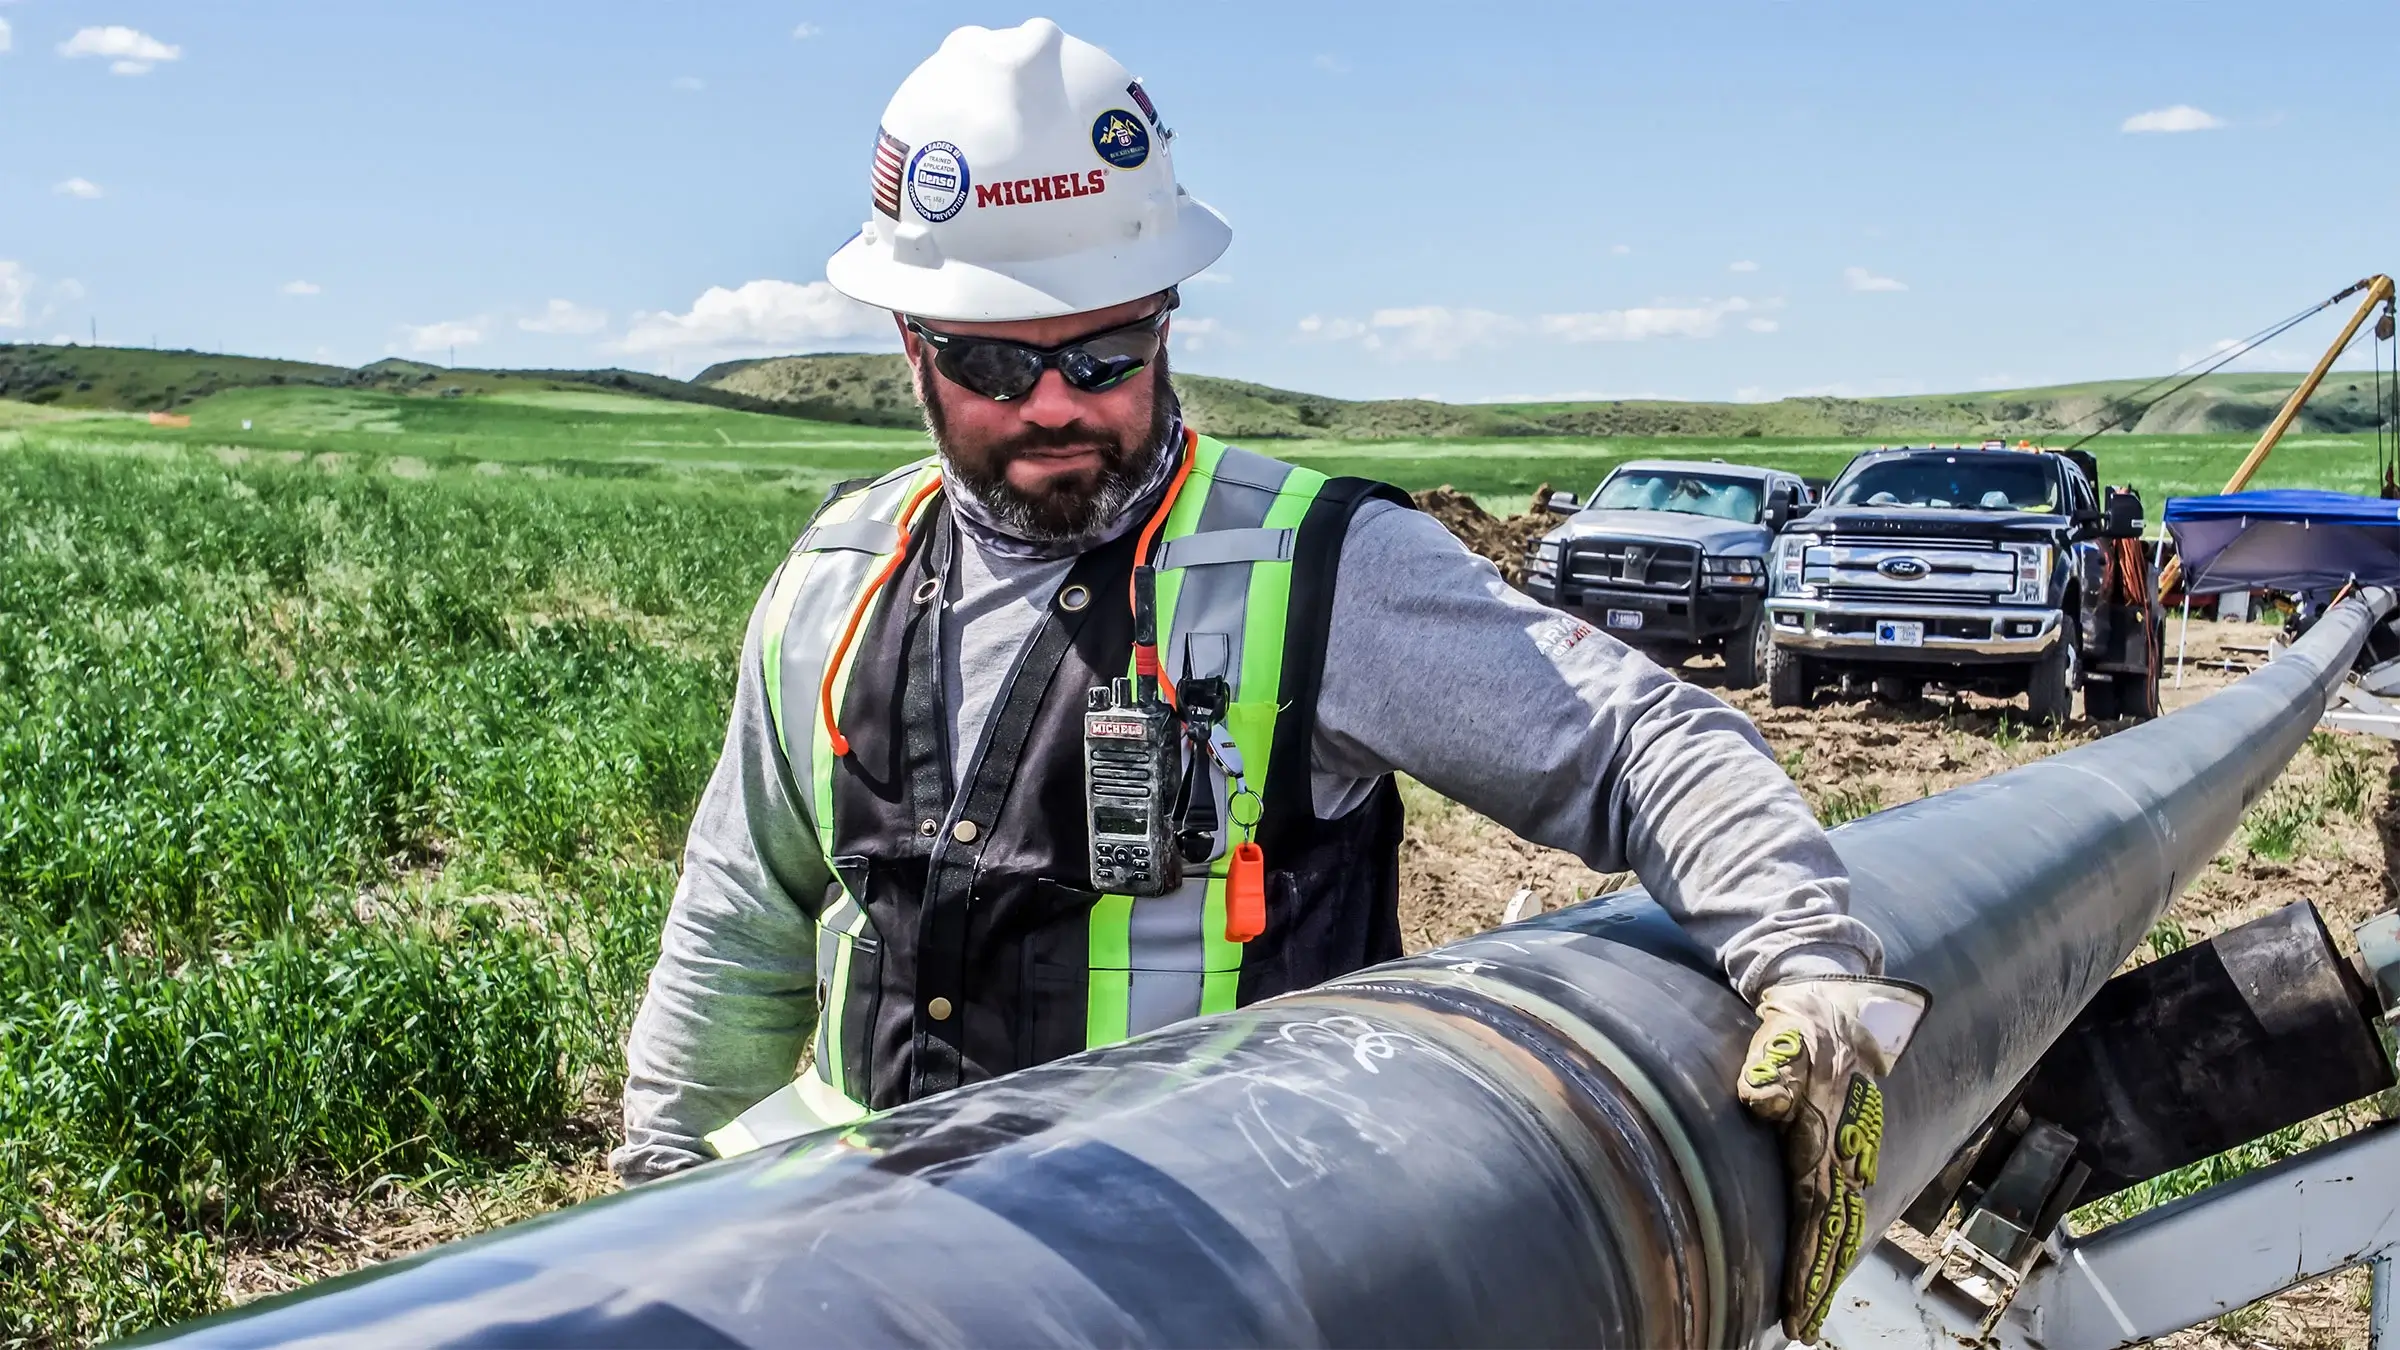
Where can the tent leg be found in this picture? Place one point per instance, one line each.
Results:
(2180, 634)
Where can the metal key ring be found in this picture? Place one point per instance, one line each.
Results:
(1258, 808)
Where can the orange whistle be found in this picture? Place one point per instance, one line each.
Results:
(1245, 893)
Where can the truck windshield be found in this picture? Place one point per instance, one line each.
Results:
(1691, 493)
(1964, 482)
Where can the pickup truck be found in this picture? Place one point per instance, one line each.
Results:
(1670, 556)
(2002, 571)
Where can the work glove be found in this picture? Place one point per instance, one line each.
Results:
(1821, 1046)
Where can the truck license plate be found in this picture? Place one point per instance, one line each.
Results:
(1624, 618)
(1899, 633)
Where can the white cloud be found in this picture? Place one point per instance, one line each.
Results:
(1198, 334)
(1620, 249)
(687, 84)
(756, 318)
(16, 291)
(1643, 323)
(2181, 117)
(1435, 332)
(1331, 64)
(134, 51)
(5, 40)
(1318, 328)
(1745, 265)
(68, 289)
(434, 337)
(1884, 388)
(566, 317)
(83, 188)
(300, 288)
(1860, 279)
(1441, 333)
(805, 31)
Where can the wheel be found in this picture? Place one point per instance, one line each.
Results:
(1789, 680)
(2050, 685)
(1899, 690)
(2136, 696)
(1746, 651)
(2100, 696)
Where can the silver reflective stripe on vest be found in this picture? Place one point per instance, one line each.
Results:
(1224, 546)
(857, 535)
(1167, 951)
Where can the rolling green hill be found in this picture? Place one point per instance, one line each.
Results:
(138, 379)
(875, 389)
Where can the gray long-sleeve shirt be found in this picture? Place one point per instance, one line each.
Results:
(1434, 667)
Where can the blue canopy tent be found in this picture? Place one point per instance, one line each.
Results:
(2292, 539)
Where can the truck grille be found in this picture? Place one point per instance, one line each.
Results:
(1630, 564)
(1921, 571)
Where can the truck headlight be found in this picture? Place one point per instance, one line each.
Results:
(1734, 571)
(1790, 558)
(1546, 551)
(2033, 572)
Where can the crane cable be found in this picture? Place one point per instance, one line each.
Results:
(2214, 361)
(2387, 394)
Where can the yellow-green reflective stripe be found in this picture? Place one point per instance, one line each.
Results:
(1183, 520)
(732, 1141)
(1221, 965)
(1108, 1004)
(790, 582)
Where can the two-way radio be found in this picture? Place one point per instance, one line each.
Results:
(1131, 768)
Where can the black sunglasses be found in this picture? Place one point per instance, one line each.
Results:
(1001, 370)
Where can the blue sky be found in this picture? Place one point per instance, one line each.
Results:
(1735, 200)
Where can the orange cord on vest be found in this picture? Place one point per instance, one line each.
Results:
(858, 612)
(1145, 659)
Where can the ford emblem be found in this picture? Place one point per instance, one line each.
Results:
(1904, 569)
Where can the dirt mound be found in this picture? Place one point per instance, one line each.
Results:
(1503, 539)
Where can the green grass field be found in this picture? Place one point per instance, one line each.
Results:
(338, 814)
(588, 432)
(345, 761)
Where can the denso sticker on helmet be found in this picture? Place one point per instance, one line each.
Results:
(1121, 139)
(1052, 187)
(937, 181)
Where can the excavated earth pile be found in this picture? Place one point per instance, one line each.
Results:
(1503, 539)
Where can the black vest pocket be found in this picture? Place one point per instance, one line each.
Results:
(1055, 1017)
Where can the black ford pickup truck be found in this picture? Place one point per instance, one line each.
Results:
(2002, 571)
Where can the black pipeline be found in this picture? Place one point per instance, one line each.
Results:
(1524, 1138)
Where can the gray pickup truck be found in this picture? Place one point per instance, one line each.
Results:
(1671, 556)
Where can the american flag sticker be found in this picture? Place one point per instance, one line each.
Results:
(890, 153)
(1141, 100)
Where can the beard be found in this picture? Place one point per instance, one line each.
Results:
(1071, 508)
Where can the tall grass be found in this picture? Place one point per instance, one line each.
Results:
(337, 817)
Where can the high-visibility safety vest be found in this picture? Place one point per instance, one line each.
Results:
(960, 936)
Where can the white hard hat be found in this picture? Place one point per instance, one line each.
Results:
(1020, 174)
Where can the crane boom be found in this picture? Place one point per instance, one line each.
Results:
(2379, 291)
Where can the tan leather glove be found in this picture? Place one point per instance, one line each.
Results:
(1821, 1045)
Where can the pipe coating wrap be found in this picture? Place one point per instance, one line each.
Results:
(1529, 1137)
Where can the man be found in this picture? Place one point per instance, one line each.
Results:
(896, 852)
